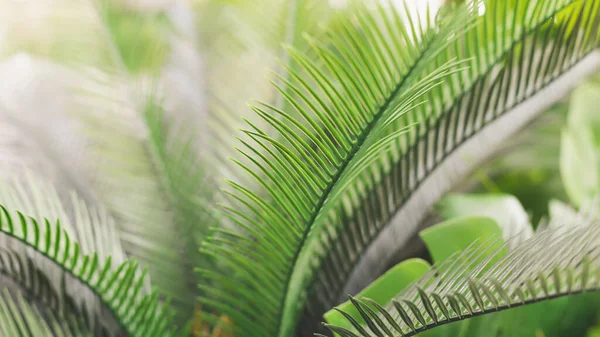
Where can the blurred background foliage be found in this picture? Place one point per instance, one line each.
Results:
(206, 59)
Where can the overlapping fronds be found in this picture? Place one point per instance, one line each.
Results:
(240, 41)
(42, 258)
(149, 181)
(133, 153)
(551, 264)
(92, 227)
(51, 147)
(18, 318)
(535, 43)
(344, 161)
(370, 84)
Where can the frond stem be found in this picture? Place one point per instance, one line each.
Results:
(340, 170)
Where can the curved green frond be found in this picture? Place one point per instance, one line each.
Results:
(508, 83)
(340, 132)
(18, 318)
(42, 255)
(91, 226)
(149, 181)
(240, 41)
(345, 161)
(552, 264)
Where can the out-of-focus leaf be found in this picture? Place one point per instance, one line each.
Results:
(579, 164)
(584, 110)
(455, 235)
(140, 38)
(505, 209)
(580, 142)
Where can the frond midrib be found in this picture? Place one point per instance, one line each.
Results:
(469, 137)
(339, 172)
(159, 168)
(482, 74)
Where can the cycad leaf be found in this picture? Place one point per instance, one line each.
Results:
(149, 180)
(240, 41)
(503, 89)
(327, 189)
(45, 261)
(92, 227)
(329, 149)
(552, 264)
(18, 318)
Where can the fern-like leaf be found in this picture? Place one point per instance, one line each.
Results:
(346, 164)
(508, 82)
(341, 133)
(18, 318)
(553, 263)
(75, 276)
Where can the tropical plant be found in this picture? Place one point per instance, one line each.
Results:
(373, 113)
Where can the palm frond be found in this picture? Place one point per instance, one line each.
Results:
(345, 142)
(240, 41)
(146, 169)
(43, 259)
(473, 284)
(458, 136)
(92, 227)
(18, 318)
(347, 164)
(137, 166)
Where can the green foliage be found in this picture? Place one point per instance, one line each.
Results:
(21, 319)
(381, 291)
(484, 280)
(140, 38)
(579, 146)
(455, 235)
(119, 287)
(335, 169)
(332, 165)
(506, 210)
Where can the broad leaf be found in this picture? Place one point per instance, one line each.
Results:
(455, 235)
(505, 209)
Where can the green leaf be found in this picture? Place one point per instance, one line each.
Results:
(580, 145)
(382, 290)
(141, 39)
(455, 235)
(150, 182)
(505, 209)
(583, 109)
(18, 318)
(579, 164)
(328, 185)
(241, 41)
(43, 267)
